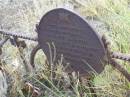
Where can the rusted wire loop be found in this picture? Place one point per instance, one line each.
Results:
(118, 66)
(117, 55)
(33, 53)
(111, 58)
(18, 35)
(121, 56)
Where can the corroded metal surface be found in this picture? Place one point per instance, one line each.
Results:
(74, 38)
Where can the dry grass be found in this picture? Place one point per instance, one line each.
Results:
(22, 15)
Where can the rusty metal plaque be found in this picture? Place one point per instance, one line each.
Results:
(73, 38)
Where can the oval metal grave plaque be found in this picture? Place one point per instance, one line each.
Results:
(74, 38)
